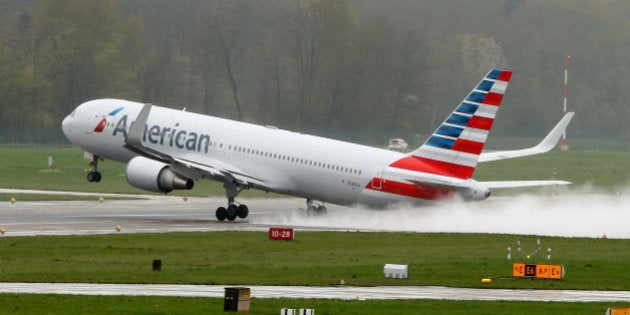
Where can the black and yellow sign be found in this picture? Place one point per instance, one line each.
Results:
(618, 311)
(540, 271)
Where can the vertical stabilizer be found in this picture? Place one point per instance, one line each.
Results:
(455, 146)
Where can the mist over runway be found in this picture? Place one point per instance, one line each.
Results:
(580, 214)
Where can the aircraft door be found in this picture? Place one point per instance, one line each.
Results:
(377, 178)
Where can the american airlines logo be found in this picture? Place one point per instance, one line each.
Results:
(168, 136)
(103, 123)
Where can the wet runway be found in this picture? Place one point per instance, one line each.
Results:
(578, 215)
(152, 215)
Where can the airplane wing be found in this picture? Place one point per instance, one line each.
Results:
(545, 145)
(210, 167)
(222, 170)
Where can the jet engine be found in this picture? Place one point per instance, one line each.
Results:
(155, 176)
(475, 191)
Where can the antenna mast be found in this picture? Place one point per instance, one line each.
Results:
(564, 146)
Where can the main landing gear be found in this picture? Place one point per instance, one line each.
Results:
(233, 210)
(313, 210)
(94, 175)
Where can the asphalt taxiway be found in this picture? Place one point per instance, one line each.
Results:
(331, 292)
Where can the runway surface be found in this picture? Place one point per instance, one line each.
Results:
(581, 216)
(332, 292)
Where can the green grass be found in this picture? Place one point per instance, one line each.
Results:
(28, 169)
(606, 170)
(314, 258)
(71, 304)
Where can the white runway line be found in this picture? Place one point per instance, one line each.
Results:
(332, 292)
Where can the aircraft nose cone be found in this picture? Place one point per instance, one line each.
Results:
(66, 126)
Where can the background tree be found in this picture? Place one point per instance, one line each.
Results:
(80, 49)
(362, 70)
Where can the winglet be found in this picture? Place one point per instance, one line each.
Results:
(134, 138)
(133, 141)
(548, 143)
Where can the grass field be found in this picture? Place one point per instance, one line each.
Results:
(313, 258)
(607, 170)
(28, 169)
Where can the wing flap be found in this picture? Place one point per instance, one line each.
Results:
(218, 169)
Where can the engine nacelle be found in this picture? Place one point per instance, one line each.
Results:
(475, 191)
(155, 176)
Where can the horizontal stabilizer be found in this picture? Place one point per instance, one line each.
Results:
(544, 146)
(524, 183)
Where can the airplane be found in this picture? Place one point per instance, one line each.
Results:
(167, 149)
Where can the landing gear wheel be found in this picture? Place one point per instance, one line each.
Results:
(242, 211)
(94, 176)
(234, 209)
(311, 211)
(231, 212)
(321, 211)
(315, 211)
(221, 213)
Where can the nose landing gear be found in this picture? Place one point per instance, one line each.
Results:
(93, 176)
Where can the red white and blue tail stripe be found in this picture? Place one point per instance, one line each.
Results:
(454, 148)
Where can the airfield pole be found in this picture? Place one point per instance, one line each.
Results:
(564, 146)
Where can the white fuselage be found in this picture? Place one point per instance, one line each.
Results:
(292, 163)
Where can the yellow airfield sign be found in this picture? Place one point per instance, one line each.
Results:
(540, 271)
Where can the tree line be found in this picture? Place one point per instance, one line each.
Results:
(358, 70)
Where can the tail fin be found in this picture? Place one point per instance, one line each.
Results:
(456, 145)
